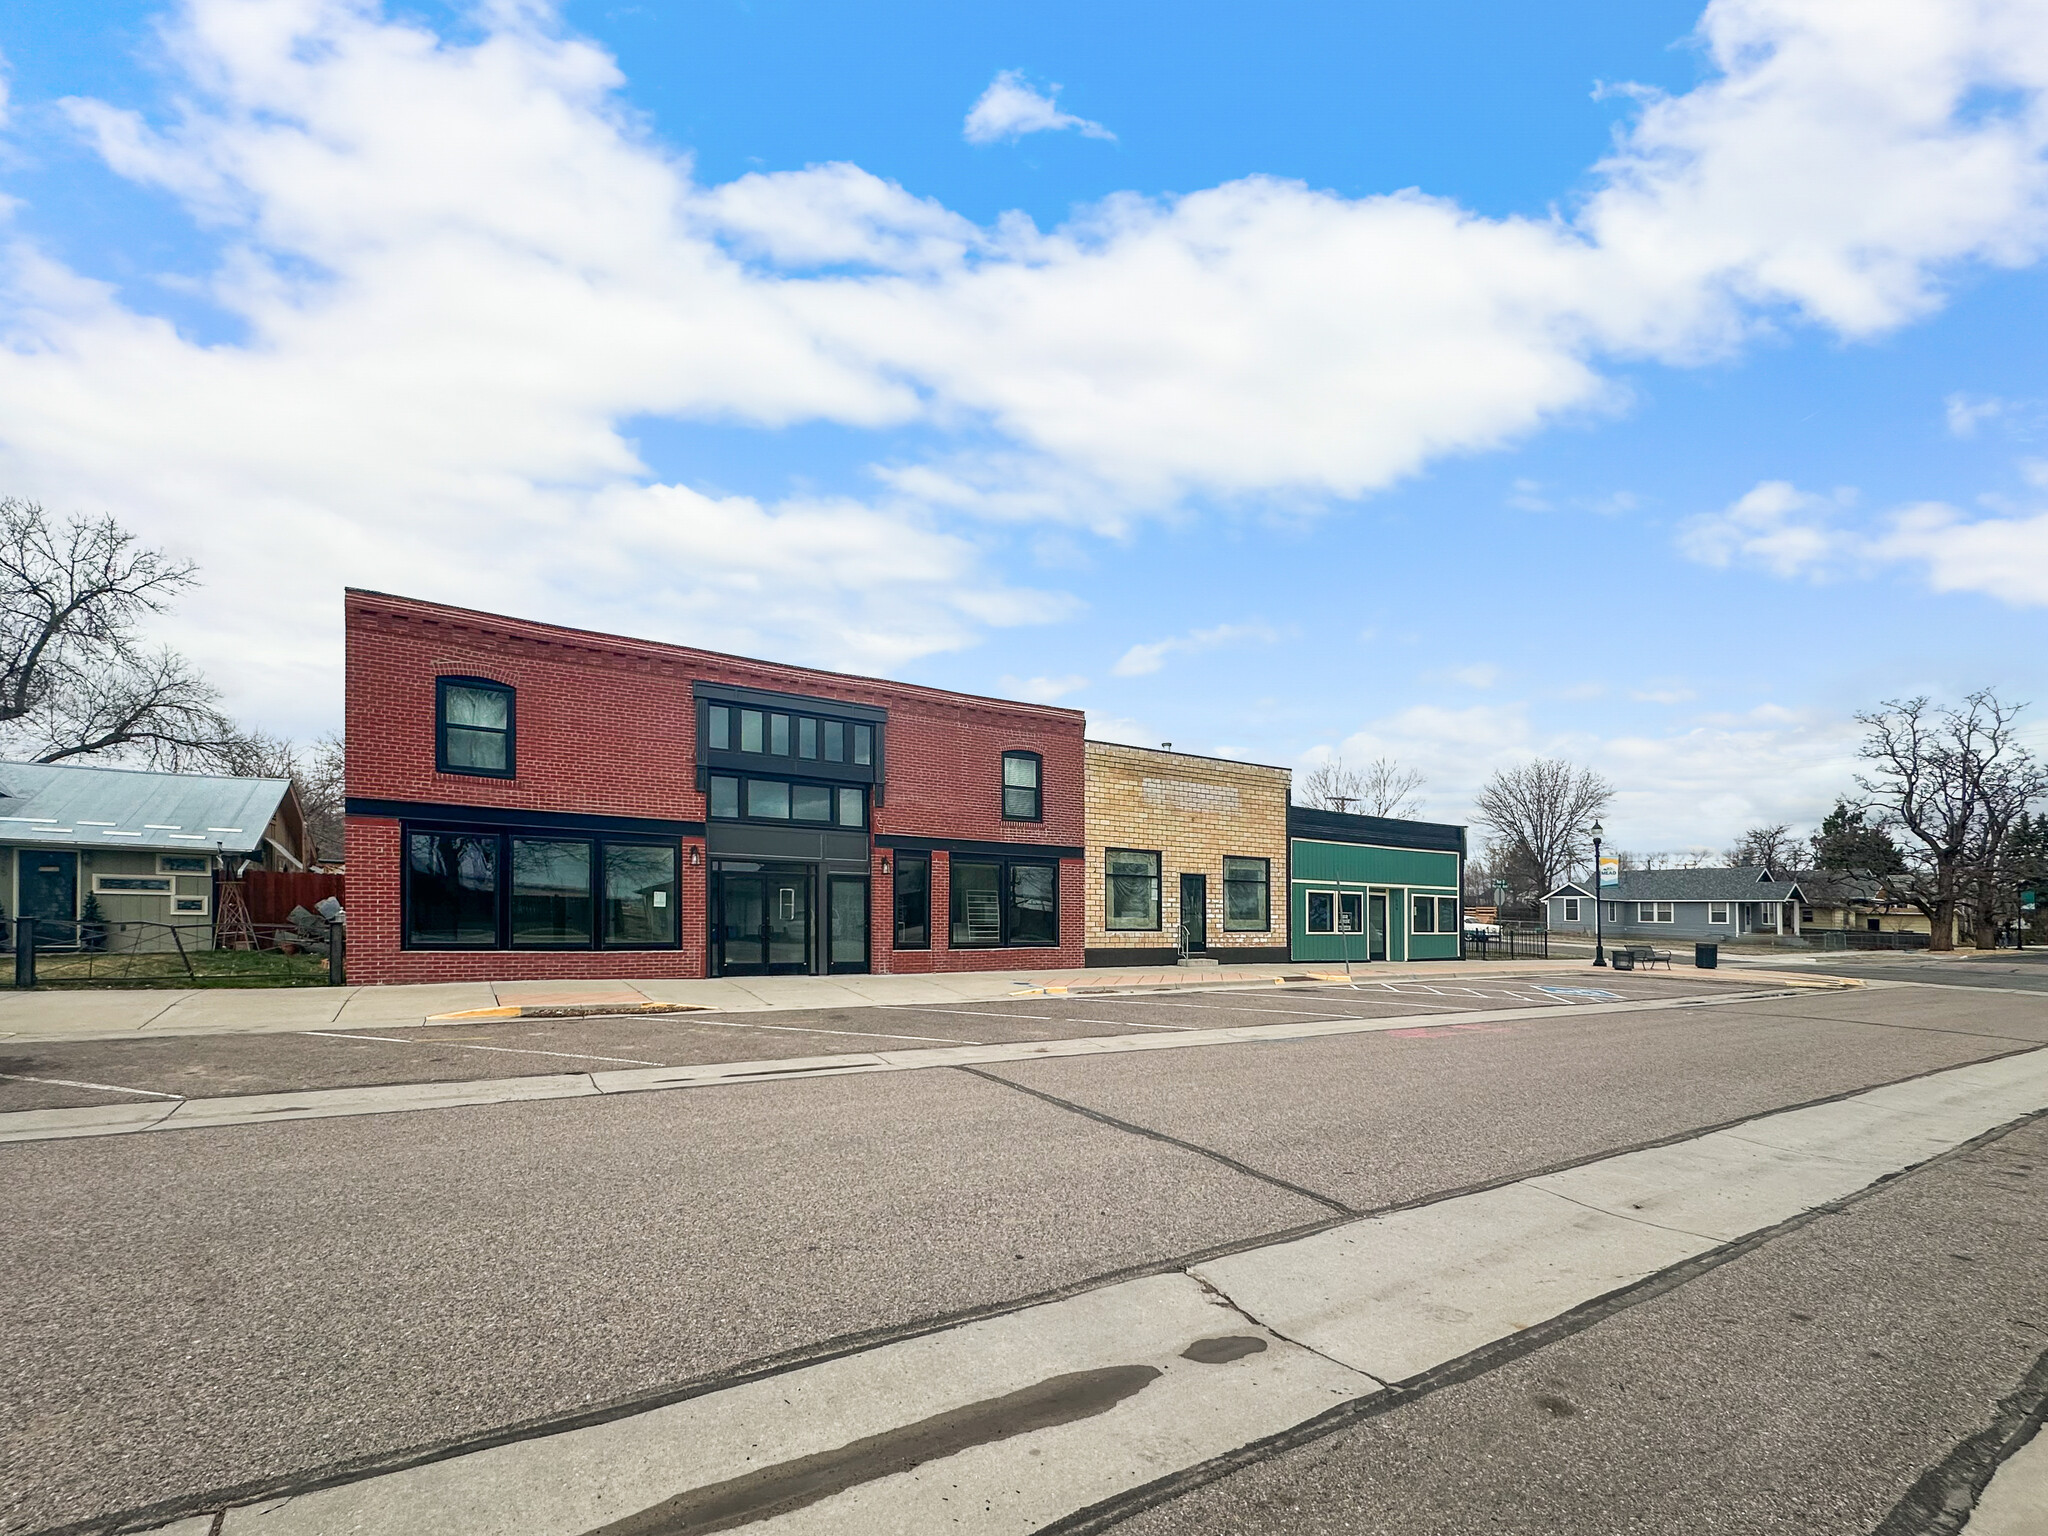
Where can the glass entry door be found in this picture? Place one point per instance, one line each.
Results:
(1194, 911)
(763, 923)
(1376, 932)
(846, 923)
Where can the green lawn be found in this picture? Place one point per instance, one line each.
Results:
(210, 968)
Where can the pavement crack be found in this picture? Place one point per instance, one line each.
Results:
(1160, 1136)
(1224, 1299)
(1641, 1221)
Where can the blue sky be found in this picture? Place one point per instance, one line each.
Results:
(1647, 384)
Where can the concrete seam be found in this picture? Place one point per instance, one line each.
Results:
(1492, 1356)
(1160, 1136)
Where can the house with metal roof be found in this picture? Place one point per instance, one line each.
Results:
(144, 846)
(1682, 905)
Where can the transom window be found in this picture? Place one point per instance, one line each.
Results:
(779, 733)
(1131, 890)
(737, 797)
(498, 890)
(1023, 797)
(1247, 904)
(473, 727)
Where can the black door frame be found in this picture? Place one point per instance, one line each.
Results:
(1197, 931)
(867, 928)
(765, 870)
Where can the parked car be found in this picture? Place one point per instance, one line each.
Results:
(1482, 930)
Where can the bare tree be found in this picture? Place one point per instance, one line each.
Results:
(1330, 786)
(316, 773)
(1765, 848)
(75, 678)
(1391, 790)
(1545, 808)
(1954, 783)
(1382, 788)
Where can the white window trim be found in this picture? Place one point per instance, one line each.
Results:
(1722, 907)
(1308, 907)
(1571, 909)
(1659, 912)
(167, 888)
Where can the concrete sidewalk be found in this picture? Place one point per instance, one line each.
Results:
(113, 1015)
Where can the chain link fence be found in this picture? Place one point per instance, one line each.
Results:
(61, 952)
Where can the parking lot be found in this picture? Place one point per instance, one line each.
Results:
(53, 1076)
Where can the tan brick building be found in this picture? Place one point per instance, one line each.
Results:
(1176, 840)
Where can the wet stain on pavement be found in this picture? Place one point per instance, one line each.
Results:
(792, 1485)
(1224, 1350)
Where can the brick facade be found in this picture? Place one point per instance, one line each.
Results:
(607, 726)
(1192, 811)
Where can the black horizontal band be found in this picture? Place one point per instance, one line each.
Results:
(968, 846)
(500, 816)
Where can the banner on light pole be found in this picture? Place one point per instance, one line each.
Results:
(1610, 869)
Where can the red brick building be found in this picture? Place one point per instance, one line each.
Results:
(531, 801)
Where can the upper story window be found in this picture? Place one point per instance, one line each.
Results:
(1023, 791)
(473, 727)
(774, 733)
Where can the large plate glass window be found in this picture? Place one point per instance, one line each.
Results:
(451, 890)
(768, 799)
(810, 802)
(1422, 918)
(1031, 914)
(1131, 894)
(1247, 895)
(639, 894)
(550, 892)
(913, 901)
(977, 904)
(473, 727)
(1023, 798)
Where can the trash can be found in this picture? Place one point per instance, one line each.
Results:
(1622, 959)
(1706, 956)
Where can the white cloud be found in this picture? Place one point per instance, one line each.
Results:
(1793, 533)
(1479, 675)
(1121, 729)
(1966, 411)
(1141, 660)
(1664, 695)
(453, 272)
(1788, 531)
(1042, 690)
(1010, 108)
(1700, 784)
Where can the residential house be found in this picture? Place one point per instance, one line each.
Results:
(144, 846)
(1682, 906)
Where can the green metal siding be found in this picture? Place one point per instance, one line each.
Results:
(1318, 865)
(1359, 864)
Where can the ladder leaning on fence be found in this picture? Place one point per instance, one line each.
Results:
(233, 928)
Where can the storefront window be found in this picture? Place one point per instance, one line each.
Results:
(1246, 899)
(639, 894)
(1131, 896)
(451, 891)
(550, 892)
(913, 901)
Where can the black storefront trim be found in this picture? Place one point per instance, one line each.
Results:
(491, 817)
(978, 850)
(1375, 831)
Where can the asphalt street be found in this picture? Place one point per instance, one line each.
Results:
(199, 1317)
(62, 1075)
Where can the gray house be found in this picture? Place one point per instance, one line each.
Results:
(1653, 906)
(144, 846)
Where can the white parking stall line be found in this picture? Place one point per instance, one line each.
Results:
(66, 1082)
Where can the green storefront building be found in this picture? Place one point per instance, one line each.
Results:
(1365, 888)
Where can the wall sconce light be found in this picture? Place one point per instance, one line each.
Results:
(696, 855)
(885, 864)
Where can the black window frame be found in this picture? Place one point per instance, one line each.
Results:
(1003, 866)
(896, 897)
(502, 838)
(1265, 884)
(837, 793)
(483, 685)
(1110, 876)
(1037, 760)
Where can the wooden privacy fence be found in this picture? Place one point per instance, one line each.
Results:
(273, 893)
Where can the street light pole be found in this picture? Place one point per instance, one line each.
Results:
(1599, 928)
